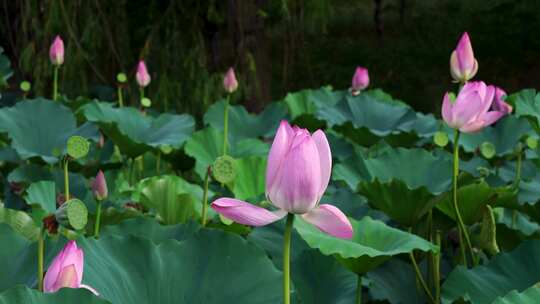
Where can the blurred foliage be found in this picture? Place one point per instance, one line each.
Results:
(275, 45)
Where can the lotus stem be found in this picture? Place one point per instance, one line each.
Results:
(98, 220)
(226, 125)
(66, 178)
(461, 226)
(420, 277)
(55, 82)
(286, 259)
(120, 97)
(519, 155)
(41, 247)
(437, 268)
(359, 290)
(205, 197)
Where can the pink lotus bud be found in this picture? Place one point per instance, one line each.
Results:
(470, 112)
(297, 174)
(66, 270)
(229, 82)
(56, 52)
(99, 186)
(360, 80)
(142, 76)
(463, 65)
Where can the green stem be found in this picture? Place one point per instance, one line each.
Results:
(226, 125)
(286, 259)
(55, 82)
(120, 97)
(66, 178)
(205, 197)
(141, 92)
(461, 226)
(41, 247)
(420, 277)
(98, 220)
(359, 290)
(158, 163)
(437, 268)
(518, 167)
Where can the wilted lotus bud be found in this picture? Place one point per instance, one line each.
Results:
(463, 65)
(229, 82)
(99, 186)
(56, 52)
(142, 76)
(360, 80)
(66, 270)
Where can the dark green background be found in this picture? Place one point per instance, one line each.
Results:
(277, 46)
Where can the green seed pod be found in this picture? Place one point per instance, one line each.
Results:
(146, 102)
(72, 214)
(532, 143)
(121, 78)
(77, 146)
(25, 86)
(487, 149)
(440, 138)
(224, 169)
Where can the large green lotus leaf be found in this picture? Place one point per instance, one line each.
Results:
(306, 102)
(39, 128)
(244, 125)
(135, 133)
(250, 177)
(529, 296)
(400, 182)
(372, 244)
(42, 193)
(207, 144)
(516, 270)
(149, 228)
(19, 221)
(516, 220)
(25, 295)
(322, 279)
(472, 199)
(527, 104)
(18, 258)
(395, 282)
(367, 110)
(504, 135)
(212, 267)
(174, 199)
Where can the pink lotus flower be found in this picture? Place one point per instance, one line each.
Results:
(360, 80)
(142, 76)
(56, 51)
(463, 65)
(99, 186)
(66, 270)
(297, 174)
(470, 112)
(229, 82)
(499, 104)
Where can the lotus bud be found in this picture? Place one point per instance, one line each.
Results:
(229, 82)
(99, 186)
(66, 270)
(56, 52)
(142, 76)
(360, 80)
(463, 65)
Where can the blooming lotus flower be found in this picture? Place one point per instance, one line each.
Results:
(66, 270)
(56, 51)
(499, 104)
(142, 76)
(463, 65)
(360, 80)
(99, 186)
(470, 112)
(297, 174)
(229, 82)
